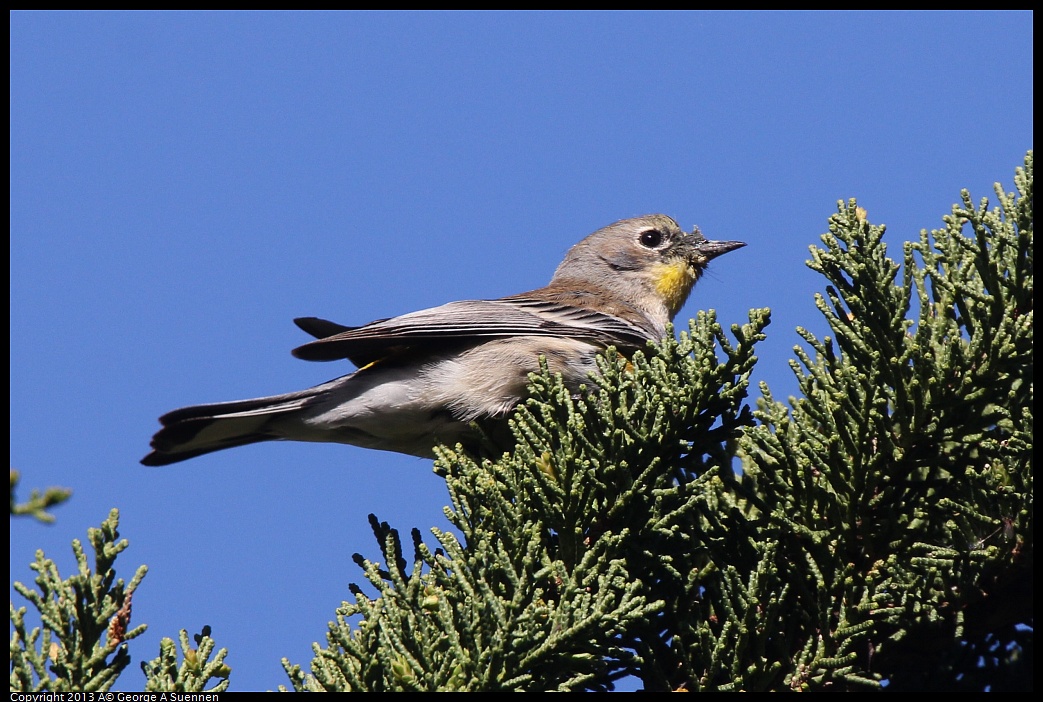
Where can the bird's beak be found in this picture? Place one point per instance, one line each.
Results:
(712, 249)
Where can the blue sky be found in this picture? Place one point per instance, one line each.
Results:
(184, 184)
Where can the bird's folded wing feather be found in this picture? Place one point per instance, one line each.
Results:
(460, 321)
(322, 328)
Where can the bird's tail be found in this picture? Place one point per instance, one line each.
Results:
(193, 431)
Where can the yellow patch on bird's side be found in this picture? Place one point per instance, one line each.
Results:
(673, 282)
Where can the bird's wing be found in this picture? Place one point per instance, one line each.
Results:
(460, 322)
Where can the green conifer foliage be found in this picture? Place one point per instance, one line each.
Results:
(900, 484)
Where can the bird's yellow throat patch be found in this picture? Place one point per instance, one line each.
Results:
(673, 282)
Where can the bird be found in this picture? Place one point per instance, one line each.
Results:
(425, 378)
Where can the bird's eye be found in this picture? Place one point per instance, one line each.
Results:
(651, 238)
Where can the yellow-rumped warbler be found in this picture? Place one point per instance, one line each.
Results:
(423, 377)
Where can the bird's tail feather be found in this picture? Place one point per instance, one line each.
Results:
(193, 431)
